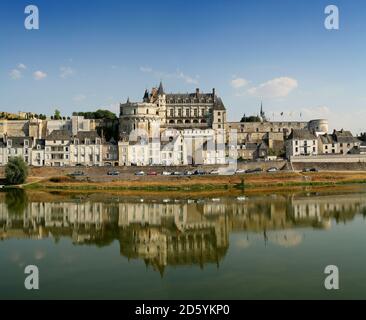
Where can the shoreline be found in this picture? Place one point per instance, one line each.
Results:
(262, 182)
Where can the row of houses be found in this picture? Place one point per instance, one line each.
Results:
(61, 148)
(306, 143)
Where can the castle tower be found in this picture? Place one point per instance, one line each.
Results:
(162, 103)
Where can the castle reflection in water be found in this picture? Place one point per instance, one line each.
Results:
(176, 232)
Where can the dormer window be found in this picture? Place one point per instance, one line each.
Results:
(87, 141)
(98, 141)
(76, 141)
(9, 143)
(26, 143)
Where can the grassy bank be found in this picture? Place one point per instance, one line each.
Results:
(263, 181)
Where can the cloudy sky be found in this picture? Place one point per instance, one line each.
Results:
(91, 54)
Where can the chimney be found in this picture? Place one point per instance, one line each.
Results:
(197, 92)
(214, 94)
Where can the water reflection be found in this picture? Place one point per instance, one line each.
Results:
(171, 233)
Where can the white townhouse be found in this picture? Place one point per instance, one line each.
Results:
(86, 148)
(38, 153)
(301, 142)
(204, 146)
(16, 147)
(57, 148)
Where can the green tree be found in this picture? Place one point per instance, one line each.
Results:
(16, 171)
(57, 115)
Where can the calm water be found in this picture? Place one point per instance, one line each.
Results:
(104, 246)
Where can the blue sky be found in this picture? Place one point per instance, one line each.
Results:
(91, 54)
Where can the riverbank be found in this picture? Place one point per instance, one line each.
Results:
(250, 182)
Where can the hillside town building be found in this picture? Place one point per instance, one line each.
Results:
(168, 129)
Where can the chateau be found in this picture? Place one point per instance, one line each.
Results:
(170, 130)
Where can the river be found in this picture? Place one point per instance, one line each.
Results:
(260, 246)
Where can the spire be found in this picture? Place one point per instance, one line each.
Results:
(128, 100)
(262, 113)
(146, 96)
(161, 89)
(262, 109)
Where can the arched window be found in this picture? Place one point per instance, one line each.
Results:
(179, 121)
(203, 121)
(195, 121)
(171, 121)
(187, 121)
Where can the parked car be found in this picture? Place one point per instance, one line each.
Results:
(314, 170)
(152, 173)
(77, 174)
(177, 173)
(79, 165)
(273, 169)
(199, 172)
(188, 173)
(166, 173)
(113, 173)
(306, 170)
(215, 172)
(240, 171)
(139, 173)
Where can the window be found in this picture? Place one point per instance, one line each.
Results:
(26, 143)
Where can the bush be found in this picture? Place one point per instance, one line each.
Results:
(16, 171)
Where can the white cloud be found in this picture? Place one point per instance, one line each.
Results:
(39, 75)
(187, 78)
(79, 98)
(66, 72)
(22, 66)
(275, 88)
(146, 69)
(239, 83)
(15, 74)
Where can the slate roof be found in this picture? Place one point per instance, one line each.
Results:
(193, 98)
(302, 134)
(327, 139)
(59, 135)
(18, 142)
(39, 142)
(91, 135)
(344, 137)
